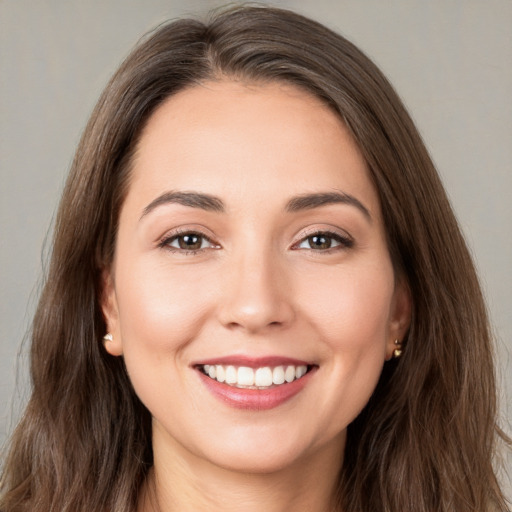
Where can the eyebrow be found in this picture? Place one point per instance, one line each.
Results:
(212, 203)
(192, 199)
(310, 201)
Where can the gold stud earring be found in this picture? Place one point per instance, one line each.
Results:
(108, 337)
(398, 350)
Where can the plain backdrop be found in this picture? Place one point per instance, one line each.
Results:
(449, 60)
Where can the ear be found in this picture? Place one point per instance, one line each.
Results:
(400, 317)
(110, 310)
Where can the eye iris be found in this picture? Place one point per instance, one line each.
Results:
(319, 242)
(190, 242)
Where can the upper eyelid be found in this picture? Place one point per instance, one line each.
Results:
(177, 235)
(180, 231)
(165, 243)
(300, 237)
(332, 231)
(345, 240)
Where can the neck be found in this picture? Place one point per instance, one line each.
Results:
(189, 483)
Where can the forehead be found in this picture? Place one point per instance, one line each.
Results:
(238, 140)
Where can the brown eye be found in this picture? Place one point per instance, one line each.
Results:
(319, 241)
(188, 242)
(324, 241)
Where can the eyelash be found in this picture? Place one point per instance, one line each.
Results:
(165, 243)
(344, 242)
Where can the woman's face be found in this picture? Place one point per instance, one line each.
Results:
(251, 248)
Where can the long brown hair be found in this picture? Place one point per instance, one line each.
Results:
(425, 441)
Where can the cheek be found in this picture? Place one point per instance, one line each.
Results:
(161, 309)
(352, 311)
(351, 317)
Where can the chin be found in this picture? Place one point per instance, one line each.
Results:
(266, 454)
(257, 462)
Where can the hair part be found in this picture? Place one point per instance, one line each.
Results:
(426, 439)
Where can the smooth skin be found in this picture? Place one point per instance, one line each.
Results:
(258, 279)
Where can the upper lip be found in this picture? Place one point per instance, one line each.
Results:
(253, 362)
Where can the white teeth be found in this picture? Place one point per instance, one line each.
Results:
(289, 374)
(246, 377)
(221, 374)
(263, 377)
(231, 376)
(278, 375)
(300, 371)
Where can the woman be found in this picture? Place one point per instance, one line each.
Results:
(258, 294)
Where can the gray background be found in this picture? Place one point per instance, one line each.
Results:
(449, 60)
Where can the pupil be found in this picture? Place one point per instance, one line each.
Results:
(190, 242)
(320, 241)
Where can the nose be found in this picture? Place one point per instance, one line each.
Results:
(256, 295)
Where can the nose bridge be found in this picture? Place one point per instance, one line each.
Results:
(256, 295)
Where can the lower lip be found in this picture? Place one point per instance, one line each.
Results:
(256, 399)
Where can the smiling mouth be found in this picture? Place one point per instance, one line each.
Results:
(244, 377)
